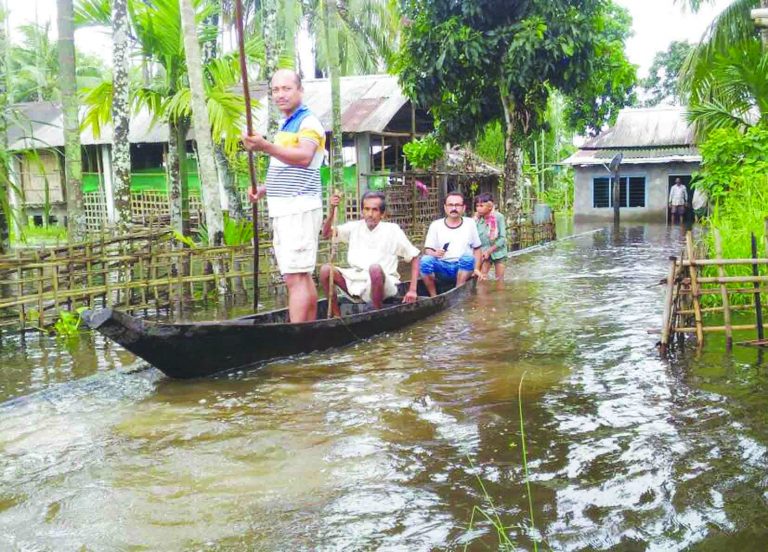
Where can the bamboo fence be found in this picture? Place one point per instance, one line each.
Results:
(147, 270)
(685, 286)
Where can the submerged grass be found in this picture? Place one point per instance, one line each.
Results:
(491, 512)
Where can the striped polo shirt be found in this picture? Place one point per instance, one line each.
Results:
(292, 189)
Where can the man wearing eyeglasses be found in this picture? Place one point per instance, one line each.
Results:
(452, 247)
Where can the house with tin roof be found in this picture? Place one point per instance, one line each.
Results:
(657, 145)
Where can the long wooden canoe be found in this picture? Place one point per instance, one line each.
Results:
(198, 349)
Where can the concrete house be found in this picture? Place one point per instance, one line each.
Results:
(658, 146)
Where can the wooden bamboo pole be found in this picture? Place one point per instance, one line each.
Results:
(19, 277)
(40, 305)
(758, 299)
(713, 329)
(251, 165)
(732, 279)
(716, 262)
(719, 309)
(695, 290)
(724, 293)
(710, 291)
(666, 322)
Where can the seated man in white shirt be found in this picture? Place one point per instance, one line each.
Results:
(374, 247)
(452, 248)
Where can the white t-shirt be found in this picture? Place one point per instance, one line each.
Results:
(461, 240)
(382, 246)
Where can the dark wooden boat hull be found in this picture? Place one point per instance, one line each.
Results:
(198, 349)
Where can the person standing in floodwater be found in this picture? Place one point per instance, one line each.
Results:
(678, 198)
(492, 229)
(293, 191)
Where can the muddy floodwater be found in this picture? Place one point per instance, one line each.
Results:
(409, 441)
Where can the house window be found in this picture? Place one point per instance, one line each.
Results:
(631, 192)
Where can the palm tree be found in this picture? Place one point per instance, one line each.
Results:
(73, 168)
(715, 104)
(121, 148)
(330, 24)
(734, 93)
(4, 157)
(34, 66)
(209, 183)
(157, 36)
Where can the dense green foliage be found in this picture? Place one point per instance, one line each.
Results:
(424, 152)
(33, 67)
(735, 93)
(734, 173)
(722, 77)
(473, 62)
(465, 59)
(661, 84)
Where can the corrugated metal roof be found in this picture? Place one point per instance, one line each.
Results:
(368, 102)
(637, 156)
(646, 127)
(40, 125)
(642, 135)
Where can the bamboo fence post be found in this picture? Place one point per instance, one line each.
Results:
(71, 274)
(667, 316)
(694, 289)
(756, 285)
(88, 269)
(143, 279)
(55, 283)
(724, 292)
(765, 237)
(40, 276)
(20, 279)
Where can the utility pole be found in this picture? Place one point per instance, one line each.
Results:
(614, 168)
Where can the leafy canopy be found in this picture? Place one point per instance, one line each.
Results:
(661, 85)
(467, 59)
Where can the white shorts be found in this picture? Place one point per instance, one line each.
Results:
(359, 283)
(295, 240)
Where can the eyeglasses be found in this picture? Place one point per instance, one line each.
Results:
(454, 205)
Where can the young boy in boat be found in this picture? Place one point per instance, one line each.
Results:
(492, 229)
(374, 248)
(293, 192)
(452, 248)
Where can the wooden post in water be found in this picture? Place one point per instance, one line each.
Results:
(666, 323)
(758, 300)
(724, 292)
(694, 289)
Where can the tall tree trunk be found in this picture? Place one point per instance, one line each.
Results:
(178, 186)
(209, 184)
(291, 27)
(512, 180)
(227, 176)
(332, 40)
(73, 156)
(272, 51)
(5, 156)
(121, 148)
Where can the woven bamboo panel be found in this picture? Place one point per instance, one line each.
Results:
(95, 207)
(411, 208)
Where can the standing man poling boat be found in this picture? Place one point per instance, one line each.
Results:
(293, 191)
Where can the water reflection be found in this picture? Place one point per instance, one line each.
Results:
(382, 445)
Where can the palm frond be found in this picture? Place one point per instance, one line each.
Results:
(98, 107)
(92, 13)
